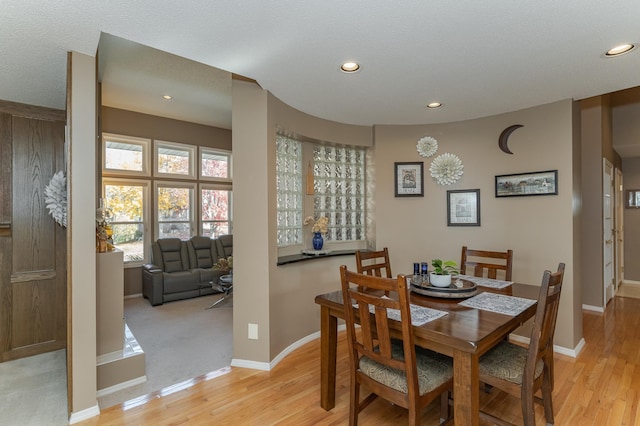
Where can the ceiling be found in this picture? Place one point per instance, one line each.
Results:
(477, 58)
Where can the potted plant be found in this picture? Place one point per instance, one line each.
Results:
(442, 271)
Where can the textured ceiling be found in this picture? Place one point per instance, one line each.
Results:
(478, 58)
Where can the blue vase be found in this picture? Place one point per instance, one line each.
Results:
(318, 241)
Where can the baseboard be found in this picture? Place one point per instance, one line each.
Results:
(84, 414)
(133, 296)
(121, 386)
(593, 308)
(631, 282)
(263, 366)
(556, 348)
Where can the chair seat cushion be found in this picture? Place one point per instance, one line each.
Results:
(433, 370)
(507, 361)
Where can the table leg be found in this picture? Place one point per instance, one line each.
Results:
(466, 389)
(328, 349)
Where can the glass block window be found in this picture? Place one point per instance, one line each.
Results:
(289, 190)
(339, 190)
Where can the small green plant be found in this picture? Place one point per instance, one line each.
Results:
(447, 267)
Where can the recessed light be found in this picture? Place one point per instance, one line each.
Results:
(620, 50)
(167, 97)
(434, 105)
(350, 67)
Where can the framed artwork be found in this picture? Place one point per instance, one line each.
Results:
(633, 198)
(463, 207)
(525, 184)
(409, 179)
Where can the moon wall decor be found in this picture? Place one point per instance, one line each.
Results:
(504, 137)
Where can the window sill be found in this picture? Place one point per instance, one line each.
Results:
(294, 258)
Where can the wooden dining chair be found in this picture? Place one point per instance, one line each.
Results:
(393, 369)
(522, 371)
(373, 263)
(484, 263)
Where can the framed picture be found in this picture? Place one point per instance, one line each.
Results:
(463, 207)
(524, 184)
(633, 198)
(409, 179)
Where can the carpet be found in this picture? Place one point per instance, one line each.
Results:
(181, 340)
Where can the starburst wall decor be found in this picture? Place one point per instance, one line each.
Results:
(446, 169)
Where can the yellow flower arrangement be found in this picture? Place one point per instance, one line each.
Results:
(319, 225)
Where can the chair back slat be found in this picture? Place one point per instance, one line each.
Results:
(373, 296)
(374, 263)
(484, 263)
(544, 323)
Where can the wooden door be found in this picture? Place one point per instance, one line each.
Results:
(32, 246)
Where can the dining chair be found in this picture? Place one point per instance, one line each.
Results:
(484, 263)
(393, 369)
(373, 262)
(522, 371)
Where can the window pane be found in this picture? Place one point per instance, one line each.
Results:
(215, 229)
(289, 190)
(174, 204)
(215, 204)
(175, 230)
(123, 156)
(127, 206)
(339, 190)
(129, 239)
(214, 165)
(174, 161)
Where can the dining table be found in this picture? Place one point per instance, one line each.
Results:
(464, 333)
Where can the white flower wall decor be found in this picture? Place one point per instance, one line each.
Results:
(427, 146)
(55, 198)
(446, 169)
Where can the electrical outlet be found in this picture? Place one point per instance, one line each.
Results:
(253, 331)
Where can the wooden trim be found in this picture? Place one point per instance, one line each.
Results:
(32, 111)
(23, 277)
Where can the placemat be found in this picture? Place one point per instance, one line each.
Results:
(486, 282)
(499, 303)
(419, 314)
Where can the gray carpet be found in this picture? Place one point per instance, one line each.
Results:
(33, 390)
(181, 340)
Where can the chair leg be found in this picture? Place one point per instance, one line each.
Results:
(528, 411)
(354, 403)
(548, 404)
(445, 408)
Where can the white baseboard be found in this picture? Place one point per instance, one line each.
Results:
(263, 366)
(84, 414)
(121, 386)
(556, 348)
(133, 296)
(593, 308)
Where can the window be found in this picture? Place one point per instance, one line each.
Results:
(174, 206)
(289, 190)
(125, 155)
(215, 164)
(175, 160)
(339, 190)
(215, 205)
(128, 201)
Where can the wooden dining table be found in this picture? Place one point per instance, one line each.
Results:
(463, 334)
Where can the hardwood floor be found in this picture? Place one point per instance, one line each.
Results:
(599, 387)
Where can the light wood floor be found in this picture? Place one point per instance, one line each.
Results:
(599, 387)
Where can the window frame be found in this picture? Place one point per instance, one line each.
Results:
(192, 186)
(202, 150)
(145, 143)
(217, 187)
(190, 149)
(146, 214)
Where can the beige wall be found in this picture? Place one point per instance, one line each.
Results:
(626, 138)
(538, 229)
(81, 351)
